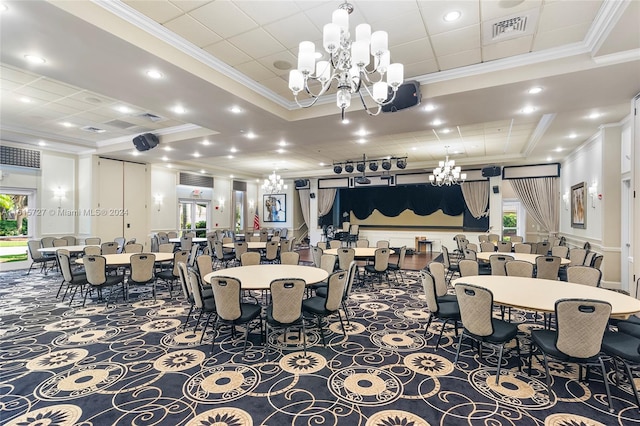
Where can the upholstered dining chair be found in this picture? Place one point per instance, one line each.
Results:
(70, 279)
(290, 258)
(142, 272)
(578, 338)
(37, 258)
(399, 265)
(285, 309)
(519, 268)
(468, 267)
(169, 276)
(109, 247)
(504, 246)
(250, 258)
(96, 269)
(487, 246)
(380, 265)
(476, 313)
(322, 307)
(203, 300)
(624, 346)
(584, 275)
(133, 248)
(227, 293)
(439, 272)
(547, 267)
(522, 248)
(92, 241)
(445, 311)
(497, 262)
(346, 255)
(450, 265)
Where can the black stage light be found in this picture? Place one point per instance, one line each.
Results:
(373, 166)
(401, 163)
(361, 167)
(386, 164)
(348, 167)
(337, 169)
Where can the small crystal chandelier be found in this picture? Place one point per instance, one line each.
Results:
(348, 65)
(447, 173)
(273, 184)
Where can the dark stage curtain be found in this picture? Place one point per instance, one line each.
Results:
(423, 200)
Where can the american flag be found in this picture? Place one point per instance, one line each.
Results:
(256, 222)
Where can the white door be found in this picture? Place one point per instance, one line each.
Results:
(135, 202)
(110, 202)
(625, 240)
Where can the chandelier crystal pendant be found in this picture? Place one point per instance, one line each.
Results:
(273, 184)
(347, 65)
(447, 173)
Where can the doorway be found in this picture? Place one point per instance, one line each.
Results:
(194, 216)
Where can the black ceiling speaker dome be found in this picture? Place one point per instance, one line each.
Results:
(408, 95)
(145, 142)
(348, 167)
(386, 164)
(301, 183)
(491, 171)
(361, 167)
(337, 169)
(401, 163)
(373, 166)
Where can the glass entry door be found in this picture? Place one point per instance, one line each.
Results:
(194, 216)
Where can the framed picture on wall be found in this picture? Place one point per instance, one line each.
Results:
(274, 208)
(578, 203)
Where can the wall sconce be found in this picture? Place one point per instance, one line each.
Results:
(221, 204)
(157, 199)
(593, 193)
(59, 193)
(565, 198)
(251, 205)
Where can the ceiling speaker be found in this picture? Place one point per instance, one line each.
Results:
(491, 171)
(145, 142)
(301, 183)
(408, 95)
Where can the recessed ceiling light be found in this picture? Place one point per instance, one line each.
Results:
(452, 16)
(235, 109)
(123, 109)
(179, 109)
(230, 157)
(528, 110)
(345, 121)
(281, 151)
(321, 164)
(201, 170)
(535, 90)
(230, 176)
(361, 132)
(251, 135)
(42, 143)
(233, 149)
(25, 100)
(445, 131)
(66, 124)
(549, 158)
(196, 154)
(558, 149)
(282, 143)
(169, 166)
(167, 148)
(135, 153)
(429, 107)
(361, 140)
(206, 142)
(165, 158)
(155, 74)
(436, 122)
(593, 115)
(413, 148)
(35, 59)
(573, 136)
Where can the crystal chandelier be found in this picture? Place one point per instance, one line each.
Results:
(273, 184)
(347, 65)
(447, 173)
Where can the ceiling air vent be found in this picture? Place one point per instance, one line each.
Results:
(21, 157)
(192, 179)
(508, 27)
(120, 124)
(92, 129)
(151, 117)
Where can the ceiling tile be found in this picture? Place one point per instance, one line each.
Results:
(414, 51)
(224, 18)
(192, 30)
(57, 88)
(189, 5)
(567, 13)
(504, 49)
(255, 71)
(550, 39)
(284, 57)
(433, 14)
(402, 29)
(257, 43)
(457, 40)
(420, 68)
(159, 11)
(265, 12)
(492, 9)
(279, 85)
(35, 93)
(228, 53)
(17, 75)
(291, 31)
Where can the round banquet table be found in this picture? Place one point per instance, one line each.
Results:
(259, 277)
(79, 248)
(540, 295)
(124, 259)
(195, 240)
(531, 258)
(251, 245)
(360, 252)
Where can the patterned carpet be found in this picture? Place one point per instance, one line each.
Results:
(133, 364)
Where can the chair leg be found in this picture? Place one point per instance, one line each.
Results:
(455, 362)
(606, 383)
(426, 329)
(346, 313)
(324, 343)
(215, 333)
(344, 332)
(499, 364)
(204, 329)
(633, 385)
(441, 331)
